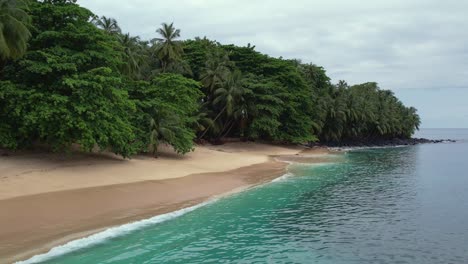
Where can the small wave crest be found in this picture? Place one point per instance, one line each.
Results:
(122, 230)
(347, 149)
(107, 234)
(284, 177)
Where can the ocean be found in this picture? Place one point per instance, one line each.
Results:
(381, 205)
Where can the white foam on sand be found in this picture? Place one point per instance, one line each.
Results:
(122, 230)
(282, 178)
(110, 233)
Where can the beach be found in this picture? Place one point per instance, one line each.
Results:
(49, 199)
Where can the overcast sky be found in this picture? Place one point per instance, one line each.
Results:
(418, 48)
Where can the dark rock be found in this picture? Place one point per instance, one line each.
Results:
(381, 142)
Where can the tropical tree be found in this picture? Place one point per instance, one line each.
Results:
(215, 72)
(336, 118)
(61, 93)
(107, 24)
(166, 112)
(230, 93)
(265, 96)
(225, 101)
(167, 48)
(14, 32)
(134, 55)
(166, 127)
(81, 81)
(197, 52)
(230, 98)
(201, 121)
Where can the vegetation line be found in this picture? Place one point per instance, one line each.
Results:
(69, 77)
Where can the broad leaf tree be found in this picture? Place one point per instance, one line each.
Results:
(14, 32)
(67, 88)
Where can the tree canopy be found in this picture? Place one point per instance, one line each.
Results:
(14, 31)
(71, 77)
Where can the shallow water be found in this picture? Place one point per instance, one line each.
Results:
(393, 205)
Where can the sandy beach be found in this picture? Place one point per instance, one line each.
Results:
(49, 199)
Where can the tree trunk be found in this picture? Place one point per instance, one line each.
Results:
(214, 120)
(230, 128)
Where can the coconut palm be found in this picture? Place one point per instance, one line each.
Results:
(342, 85)
(201, 121)
(14, 33)
(163, 127)
(227, 97)
(336, 117)
(215, 71)
(134, 55)
(107, 24)
(413, 121)
(167, 48)
(179, 66)
(230, 92)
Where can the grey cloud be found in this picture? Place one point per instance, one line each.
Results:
(400, 44)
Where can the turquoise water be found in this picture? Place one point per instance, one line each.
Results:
(394, 205)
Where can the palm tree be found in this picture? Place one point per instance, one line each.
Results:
(245, 110)
(413, 121)
(215, 71)
(342, 84)
(336, 117)
(163, 127)
(134, 54)
(228, 96)
(179, 66)
(201, 121)
(167, 48)
(14, 33)
(107, 24)
(230, 92)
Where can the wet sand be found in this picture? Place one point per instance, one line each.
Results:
(33, 220)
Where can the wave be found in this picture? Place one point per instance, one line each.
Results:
(122, 230)
(347, 149)
(282, 178)
(110, 233)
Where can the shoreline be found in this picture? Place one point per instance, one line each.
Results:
(130, 202)
(376, 143)
(34, 173)
(69, 214)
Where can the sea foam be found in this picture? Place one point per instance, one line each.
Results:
(282, 178)
(107, 234)
(118, 231)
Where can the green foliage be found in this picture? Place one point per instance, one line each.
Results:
(216, 71)
(197, 54)
(14, 32)
(83, 82)
(10, 114)
(166, 126)
(265, 117)
(166, 110)
(179, 91)
(109, 25)
(362, 112)
(135, 56)
(295, 113)
(93, 114)
(168, 49)
(230, 93)
(67, 89)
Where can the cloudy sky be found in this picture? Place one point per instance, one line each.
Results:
(418, 48)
